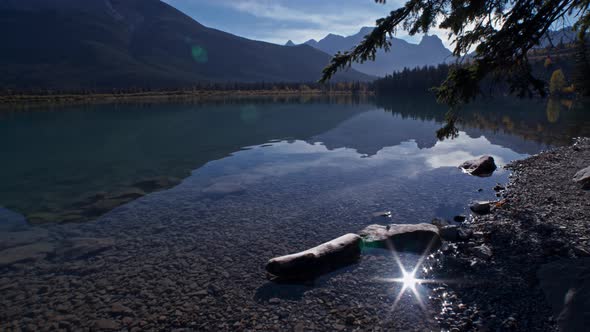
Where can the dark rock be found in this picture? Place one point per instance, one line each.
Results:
(455, 233)
(106, 324)
(410, 237)
(439, 222)
(481, 208)
(155, 184)
(459, 218)
(484, 166)
(449, 233)
(566, 285)
(499, 188)
(119, 309)
(464, 233)
(129, 193)
(583, 177)
(482, 251)
(581, 252)
(309, 263)
(106, 205)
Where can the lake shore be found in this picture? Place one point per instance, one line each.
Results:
(36, 100)
(527, 253)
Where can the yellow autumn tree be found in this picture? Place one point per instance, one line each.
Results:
(557, 82)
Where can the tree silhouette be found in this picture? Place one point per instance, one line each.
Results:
(501, 33)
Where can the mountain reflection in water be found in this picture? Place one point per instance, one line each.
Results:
(76, 163)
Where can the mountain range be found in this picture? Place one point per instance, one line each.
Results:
(430, 51)
(104, 44)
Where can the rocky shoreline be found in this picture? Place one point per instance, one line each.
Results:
(164, 262)
(528, 256)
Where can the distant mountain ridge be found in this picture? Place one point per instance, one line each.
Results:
(430, 51)
(102, 44)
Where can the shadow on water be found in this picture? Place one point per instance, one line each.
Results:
(294, 289)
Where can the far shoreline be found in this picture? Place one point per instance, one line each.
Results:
(28, 100)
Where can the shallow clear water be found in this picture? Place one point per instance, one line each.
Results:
(259, 178)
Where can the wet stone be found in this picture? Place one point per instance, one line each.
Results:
(483, 166)
(481, 208)
(402, 237)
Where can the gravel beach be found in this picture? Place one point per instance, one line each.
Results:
(497, 280)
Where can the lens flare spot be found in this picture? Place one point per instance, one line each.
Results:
(199, 54)
(249, 114)
(409, 280)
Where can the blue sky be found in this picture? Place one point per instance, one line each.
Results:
(277, 21)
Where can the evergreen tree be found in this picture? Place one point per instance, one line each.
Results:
(582, 68)
(501, 31)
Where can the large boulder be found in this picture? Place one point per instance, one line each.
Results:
(583, 177)
(566, 284)
(410, 237)
(312, 262)
(483, 166)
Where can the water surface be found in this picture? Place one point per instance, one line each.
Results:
(232, 184)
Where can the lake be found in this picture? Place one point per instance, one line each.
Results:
(164, 214)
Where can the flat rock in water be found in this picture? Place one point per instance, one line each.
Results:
(83, 247)
(128, 193)
(224, 188)
(312, 262)
(155, 184)
(410, 237)
(583, 177)
(31, 252)
(483, 166)
(15, 239)
(566, 284)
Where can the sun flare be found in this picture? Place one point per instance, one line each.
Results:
(409, 280)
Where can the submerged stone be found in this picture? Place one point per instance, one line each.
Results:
(483, 207)
(158, 183)
(583, 177)
(409, 237)
(224, 188)
(15, 239)
(483, 166)
(83, 247)
(31, 252)
(312, 262)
